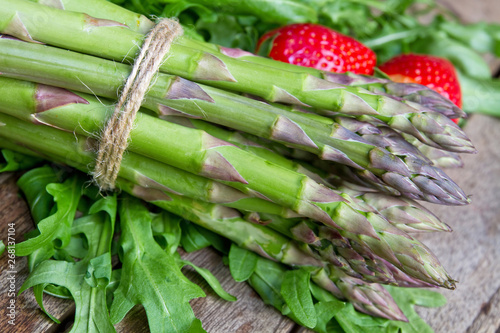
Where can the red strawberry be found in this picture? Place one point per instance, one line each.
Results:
(316, 46)
(433, 72)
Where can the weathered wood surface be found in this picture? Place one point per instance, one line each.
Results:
(470, 253)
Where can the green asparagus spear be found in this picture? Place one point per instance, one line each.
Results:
(203, 154)
(404, 213)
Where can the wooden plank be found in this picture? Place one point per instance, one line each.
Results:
(488, 320)
(471, 252)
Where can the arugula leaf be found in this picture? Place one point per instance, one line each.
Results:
(98, 271)
(87, 279)
(167, 230)
(55, 230)
(353, 321)
(407, 298)
(33, 185)
(91, 311)
(14, 161)
(150, 276)
(267, 280)
(209, 278)
(242, 35)
(481, 37)
(480, 95)
(325, 311)
(2, 247)
(218, 242)
(275, 283)
(295, 292)
(242, 263)
(192, 239)
(278, 11)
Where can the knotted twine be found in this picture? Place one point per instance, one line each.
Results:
(114, 139)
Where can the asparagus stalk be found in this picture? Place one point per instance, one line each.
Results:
(400, 144)
(28, 100)
(405, 146)
(388, 242)
(337, 250)
(140, 169)
(108, 10)
(82, 33)
(438, 157)
(384, 271)
(404, 213)
(171, 95)
(264, 241)
(362, 294)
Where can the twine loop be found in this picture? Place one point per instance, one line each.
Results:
(114, 139)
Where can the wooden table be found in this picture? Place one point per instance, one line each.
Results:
(471, 253)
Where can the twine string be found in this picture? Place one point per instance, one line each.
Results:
(114, 139)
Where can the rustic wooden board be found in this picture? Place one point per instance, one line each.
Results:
(471, 252)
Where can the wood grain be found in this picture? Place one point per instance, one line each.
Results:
(488, 320)
(473, 11)
(471, 252)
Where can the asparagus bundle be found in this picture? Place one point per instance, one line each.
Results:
(235, 183)
(382, 238)
(172, 95)
(416, 93)
(229, 73)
